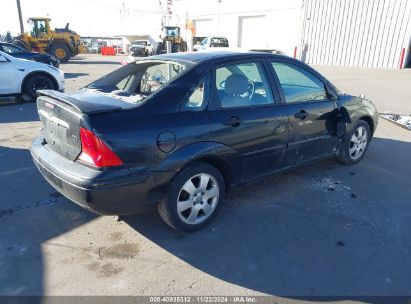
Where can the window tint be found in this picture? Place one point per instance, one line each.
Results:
(198, 98)
(243, 85)
(219, 42)
(298, 84)
(124, 84)
(10, 49)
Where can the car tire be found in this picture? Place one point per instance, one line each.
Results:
(61, 51)
(355, 144)
(194, 198)
(37, 82)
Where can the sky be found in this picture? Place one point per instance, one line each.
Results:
(87, 17)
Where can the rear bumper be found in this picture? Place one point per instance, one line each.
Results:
(110, 192)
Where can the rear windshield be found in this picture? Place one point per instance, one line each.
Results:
(136, 81)
(139, 43)
(219, 42)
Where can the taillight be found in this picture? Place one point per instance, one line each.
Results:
(95, 152)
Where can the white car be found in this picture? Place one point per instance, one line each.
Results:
(24, 77)
(213, 43)
(141, 48)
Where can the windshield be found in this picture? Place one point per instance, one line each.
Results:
(136, 81)
(172, 31)
(37, 28)
(139, 43)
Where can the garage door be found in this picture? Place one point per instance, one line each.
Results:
(203, 27)
(249, 28)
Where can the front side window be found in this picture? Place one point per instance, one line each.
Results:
(298, 84)
(243, 85)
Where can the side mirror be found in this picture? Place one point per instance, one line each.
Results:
(3, 59)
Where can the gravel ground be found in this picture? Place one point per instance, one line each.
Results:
(321, 230)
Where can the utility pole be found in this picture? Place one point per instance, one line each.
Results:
(218, 17)
(20, 17)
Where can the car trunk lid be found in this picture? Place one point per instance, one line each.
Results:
(62, 117)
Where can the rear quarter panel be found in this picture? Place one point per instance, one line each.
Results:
(144, 141)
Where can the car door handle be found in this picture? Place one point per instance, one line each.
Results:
(301, 115)
(234, 121)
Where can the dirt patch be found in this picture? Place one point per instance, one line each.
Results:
(104, 270)
(116, 236)
(126, 251)
(108, 270)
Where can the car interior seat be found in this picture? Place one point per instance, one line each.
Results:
(235, 86)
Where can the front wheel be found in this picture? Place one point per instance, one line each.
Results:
(194, 198)
(355, 144)
(61, 51)
(37, 82)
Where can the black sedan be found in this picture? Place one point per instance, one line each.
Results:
(21, 53)
(177, 131)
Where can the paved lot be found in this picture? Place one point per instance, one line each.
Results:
(287, 236)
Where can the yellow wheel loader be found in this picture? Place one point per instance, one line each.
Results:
(172, 34)
(62, 43)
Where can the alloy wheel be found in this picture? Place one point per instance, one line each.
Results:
(41, 83)
(198, 199)
(358, 143)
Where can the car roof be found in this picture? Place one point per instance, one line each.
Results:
(197, 57)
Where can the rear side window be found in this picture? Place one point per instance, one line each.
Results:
(197, 101)
(298, 84)
(158, 75)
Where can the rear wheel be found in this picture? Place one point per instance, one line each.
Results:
(194, 198)
(37, 82)
(355, 144)
(61, 51)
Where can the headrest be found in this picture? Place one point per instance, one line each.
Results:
(236, 84)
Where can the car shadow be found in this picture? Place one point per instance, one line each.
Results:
(22, 112)
(31, 213)
(287, 235)
(74, 75)
(326, 230)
